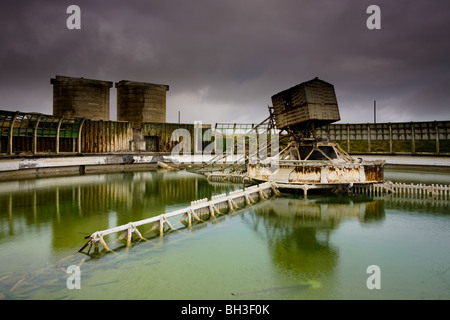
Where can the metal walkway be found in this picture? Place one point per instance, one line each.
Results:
(182, 218)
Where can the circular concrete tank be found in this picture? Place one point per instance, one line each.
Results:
(80, 97)
(139, 102)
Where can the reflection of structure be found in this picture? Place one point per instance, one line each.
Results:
(320, 212)
(299, 230)
(75, 201)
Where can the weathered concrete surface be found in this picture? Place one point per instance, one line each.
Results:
(139, 102)
(22, 168)
(32, 163)
(419, 161)
(79, 97)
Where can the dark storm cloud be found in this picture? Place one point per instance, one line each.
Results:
(223, 60)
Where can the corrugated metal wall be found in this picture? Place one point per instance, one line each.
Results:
(106, 136)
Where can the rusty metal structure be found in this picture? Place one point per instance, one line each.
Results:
(308, 161)
(38, 133)
(301, 109)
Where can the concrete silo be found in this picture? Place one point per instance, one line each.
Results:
(139, 102)
(80, 97)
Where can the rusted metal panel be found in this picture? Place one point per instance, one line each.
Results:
(305, 174)
(106, 136)
(319, 172)
(373, 173)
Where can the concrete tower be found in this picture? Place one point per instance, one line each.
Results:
(139, 102)
(79, 97)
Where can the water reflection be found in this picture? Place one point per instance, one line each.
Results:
(72, 207)
(43, 221)
(425, 176)
(298, 230)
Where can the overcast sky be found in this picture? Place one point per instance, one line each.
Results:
(223, 60)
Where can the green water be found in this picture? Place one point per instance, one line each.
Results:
(283, 248)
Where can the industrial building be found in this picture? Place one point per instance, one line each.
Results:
(81, 123)
(81, 120)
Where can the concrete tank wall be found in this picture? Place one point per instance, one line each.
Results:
(80, 97)
(139, 102)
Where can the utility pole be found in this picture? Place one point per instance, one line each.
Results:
(178, 116)
(374, 111)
